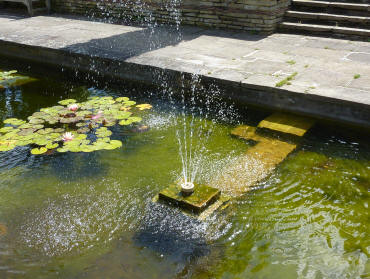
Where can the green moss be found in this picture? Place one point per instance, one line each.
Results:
(202, 196)
(356, 76)
(286, 80)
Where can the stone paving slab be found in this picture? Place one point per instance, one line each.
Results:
(325, 67)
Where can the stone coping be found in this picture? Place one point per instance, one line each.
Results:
(311, 76)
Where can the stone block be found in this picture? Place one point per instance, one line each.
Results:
(198, 201)
(287, 124)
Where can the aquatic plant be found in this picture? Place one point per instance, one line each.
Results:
(5, 76)
(73, 107)
(71, 126)
(11, 78)
(67, 136)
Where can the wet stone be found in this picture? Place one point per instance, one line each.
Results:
(287, 124)
(198, 201)
(247, 133)
(275, 138)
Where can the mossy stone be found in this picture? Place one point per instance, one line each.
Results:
(198, 201)
(287, 124)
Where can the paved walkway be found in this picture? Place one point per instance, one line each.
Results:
(334, 68)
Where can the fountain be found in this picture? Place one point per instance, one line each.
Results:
(276, 137)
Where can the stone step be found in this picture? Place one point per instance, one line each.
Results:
(331, 4)
(318, 29)
(274, 139)
(347, 1)
(340, 8)
(328, 19)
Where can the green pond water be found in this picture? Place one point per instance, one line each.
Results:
(90, 215)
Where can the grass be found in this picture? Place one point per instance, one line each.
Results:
(306, 66)
(356, 76)
(286, 80)
(291, 62)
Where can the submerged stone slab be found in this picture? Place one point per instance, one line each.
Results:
(256, 164)
(197, 202)
(287, 124)
(262, 158)
(247, 133)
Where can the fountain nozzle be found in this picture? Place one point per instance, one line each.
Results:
(187, 188)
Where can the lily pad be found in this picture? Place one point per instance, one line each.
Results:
(83, 130)
(144, 106)
(52, 145)
(124, 108)
(125, 122)
(6, 147)
(122, 99)
(37, 126)
(135, 119)
(25, 132)
(129, 103)
(34, 120)
(14, 121)
(59, 130)
(6, 129)
(115, 144)
(67, 102)
(37, 151)
(25, 126)
(130, 120)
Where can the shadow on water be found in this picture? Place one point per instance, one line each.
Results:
(171, 233)
(76, 166)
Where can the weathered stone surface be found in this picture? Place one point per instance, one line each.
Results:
(243, 66)
(197, 202)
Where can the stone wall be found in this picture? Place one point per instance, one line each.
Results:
(259, 16)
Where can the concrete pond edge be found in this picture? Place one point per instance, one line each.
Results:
(316, 106)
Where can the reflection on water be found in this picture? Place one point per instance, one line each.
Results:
(92, 216)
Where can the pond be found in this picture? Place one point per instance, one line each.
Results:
(91, 215)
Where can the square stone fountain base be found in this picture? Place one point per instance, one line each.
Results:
(202, 197)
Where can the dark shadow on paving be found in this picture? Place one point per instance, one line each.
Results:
(134, 43)
(130, 44)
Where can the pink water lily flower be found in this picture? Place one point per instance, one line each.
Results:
(67, 136)
(73, 107)
(98, 115)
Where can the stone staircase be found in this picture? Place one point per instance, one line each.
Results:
(343, 18)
